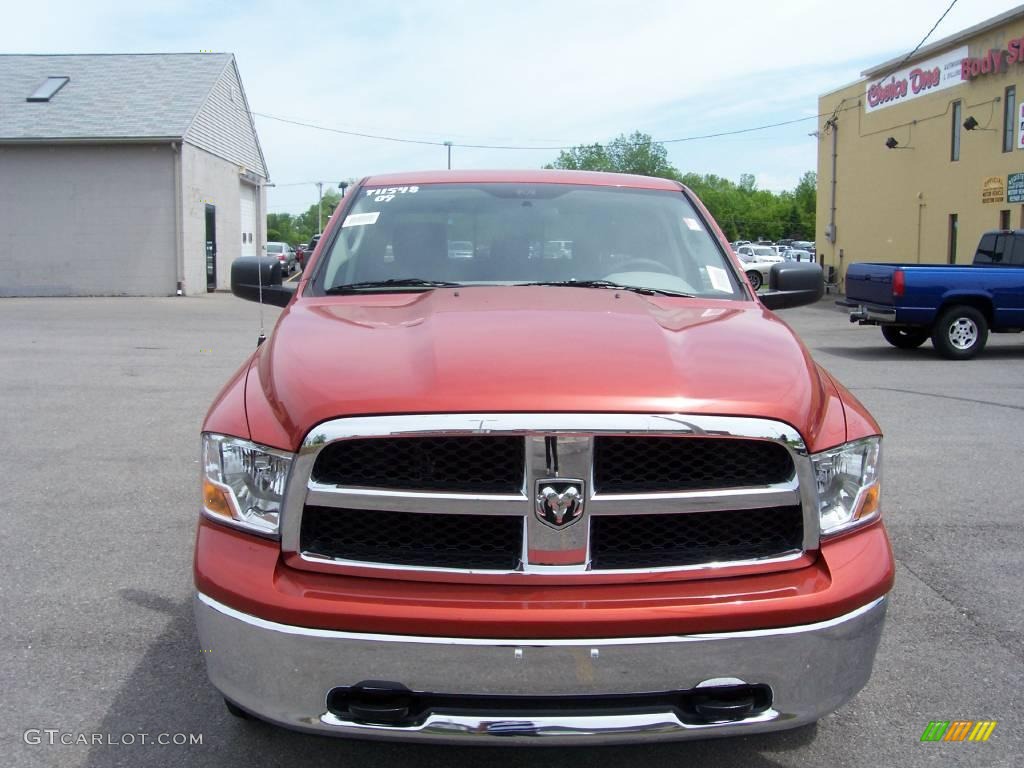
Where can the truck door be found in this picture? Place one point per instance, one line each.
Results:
(1016, 255)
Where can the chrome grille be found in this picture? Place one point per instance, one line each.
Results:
(409, 538)
(659, 541)
(393, 495)
(456, 464)
(645, 464)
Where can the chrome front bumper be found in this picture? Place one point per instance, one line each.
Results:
(283, 674)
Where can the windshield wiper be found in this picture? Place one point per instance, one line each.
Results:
(646, 291)
(403, 282)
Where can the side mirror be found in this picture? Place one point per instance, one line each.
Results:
(249, 271)
(793, 284)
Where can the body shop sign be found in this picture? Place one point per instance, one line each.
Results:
(1015, 188)
(935, 74)
(993, 190)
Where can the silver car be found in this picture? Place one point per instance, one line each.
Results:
(758, 267)
(284, 254)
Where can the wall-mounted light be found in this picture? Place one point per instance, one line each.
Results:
(891, 143)
(971, 124)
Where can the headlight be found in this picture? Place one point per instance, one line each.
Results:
(849, 484)
(244, 483)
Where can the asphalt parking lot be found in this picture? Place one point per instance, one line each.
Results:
(102, 403)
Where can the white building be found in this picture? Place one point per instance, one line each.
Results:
(126, 174)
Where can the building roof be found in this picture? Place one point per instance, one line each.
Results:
(108, 96)
(947, 42)
(523, 176)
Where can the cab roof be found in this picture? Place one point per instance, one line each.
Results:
(524, 176)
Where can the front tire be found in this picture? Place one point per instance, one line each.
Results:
(755, 279)
(960, 333)
(904, 338)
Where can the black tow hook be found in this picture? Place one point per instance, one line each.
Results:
(716, 710)
(728, 703)
(376, 702)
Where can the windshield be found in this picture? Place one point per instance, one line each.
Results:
(275, 248)
(505, 233)
(765, 251)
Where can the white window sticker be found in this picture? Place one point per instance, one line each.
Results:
(693, 224)
(387, 194)
(719, 279)
(360, 219)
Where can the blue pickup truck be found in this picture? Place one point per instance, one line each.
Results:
(956, 306)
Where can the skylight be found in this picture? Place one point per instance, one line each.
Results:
(48, 88)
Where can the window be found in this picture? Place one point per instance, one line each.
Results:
(1017, 256)
(954, 151)
(48, 88)
(1004, 219)
(992, 248)
(515, 233)
(953, 226)
(1010, 120)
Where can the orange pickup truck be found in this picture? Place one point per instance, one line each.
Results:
(575, 483)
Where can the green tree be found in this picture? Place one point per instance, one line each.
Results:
(743, 211)
(636, 153)
(306, 222)
(806, 193)
(281, 228)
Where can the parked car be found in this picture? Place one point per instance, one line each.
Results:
(956, 306)
(311, 245)
(760, 253)
(795, 254)
(588, 499)
(757, 268)
(284, 253)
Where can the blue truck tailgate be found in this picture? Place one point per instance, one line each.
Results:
(870, 283)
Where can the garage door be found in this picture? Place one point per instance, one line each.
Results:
(87, 221)
(247, 197)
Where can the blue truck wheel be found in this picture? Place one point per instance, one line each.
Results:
(960, 333)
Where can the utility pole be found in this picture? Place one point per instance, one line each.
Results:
(449, 145)
(319, 206)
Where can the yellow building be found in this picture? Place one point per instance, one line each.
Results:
(922, 155)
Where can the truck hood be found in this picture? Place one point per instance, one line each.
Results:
(528, 349)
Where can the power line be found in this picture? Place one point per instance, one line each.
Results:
(899, 66)
(360, 134)
(520, 147)
(917, 47)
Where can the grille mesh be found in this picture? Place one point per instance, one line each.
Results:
(648, 464)
(409, 538)
(652, 541)
(480, 464)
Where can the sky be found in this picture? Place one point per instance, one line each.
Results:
(535, 73)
